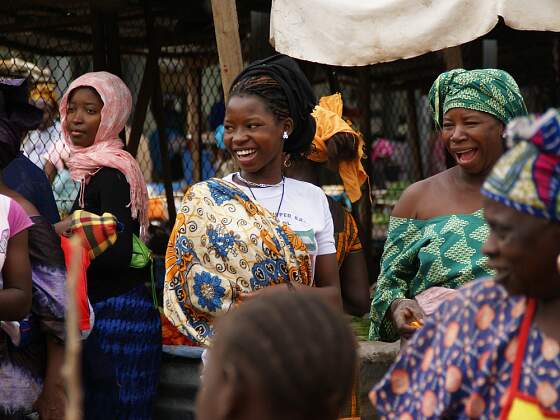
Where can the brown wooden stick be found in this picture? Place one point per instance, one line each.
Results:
(226, 27)
(72, 367)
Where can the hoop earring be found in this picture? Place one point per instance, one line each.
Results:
(288, 163)
(285, 136)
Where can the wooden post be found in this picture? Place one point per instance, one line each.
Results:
(362, 211)
(71, 370)
(556, 67)
(453, 58)
(334, 85)
(413, 136)
(144, 94)
(98, 35)
(227, 39)
(259, 44)
(193, 120)
(157, 110)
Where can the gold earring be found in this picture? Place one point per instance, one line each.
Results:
(287, 161)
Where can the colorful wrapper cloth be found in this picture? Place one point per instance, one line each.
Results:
(527, 177)
(328, 118)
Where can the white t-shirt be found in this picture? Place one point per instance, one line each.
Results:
(304, 209)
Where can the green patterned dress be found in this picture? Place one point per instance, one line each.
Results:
(444, 251)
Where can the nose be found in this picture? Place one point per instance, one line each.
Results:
(459, 134)
(239, 135)
(76, 117)
(490, 247)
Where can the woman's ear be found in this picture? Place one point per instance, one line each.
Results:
(288, 125)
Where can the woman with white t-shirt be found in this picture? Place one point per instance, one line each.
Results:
(237, 236)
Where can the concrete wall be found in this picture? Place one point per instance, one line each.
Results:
(180, 378)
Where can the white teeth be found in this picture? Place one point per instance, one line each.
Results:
(245, 152)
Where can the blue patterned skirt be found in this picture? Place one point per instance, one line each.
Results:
(121, 358)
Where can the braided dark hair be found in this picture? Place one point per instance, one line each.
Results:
(269, 90)
(284, 89)
(302, 352)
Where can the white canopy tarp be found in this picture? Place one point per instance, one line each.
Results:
(360, 32)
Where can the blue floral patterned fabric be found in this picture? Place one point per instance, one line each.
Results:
(224, 244)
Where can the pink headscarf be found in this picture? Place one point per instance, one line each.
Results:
(107, 148)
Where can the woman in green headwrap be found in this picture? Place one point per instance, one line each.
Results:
(437, 227)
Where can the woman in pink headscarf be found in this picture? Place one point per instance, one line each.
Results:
(122, 354)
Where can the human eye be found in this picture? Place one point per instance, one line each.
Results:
(228, 128)
(447, 125)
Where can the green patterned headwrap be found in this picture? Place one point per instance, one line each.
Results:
(488, 90)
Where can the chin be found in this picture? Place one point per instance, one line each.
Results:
(512, 288)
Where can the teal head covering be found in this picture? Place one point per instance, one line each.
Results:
(488, 90)
(527, 177)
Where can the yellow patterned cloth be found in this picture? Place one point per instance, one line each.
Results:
(328, 118)
(224, 244)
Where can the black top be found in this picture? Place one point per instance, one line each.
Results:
(24, 177)
(110, 273)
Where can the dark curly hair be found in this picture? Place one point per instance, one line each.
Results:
(302, 352)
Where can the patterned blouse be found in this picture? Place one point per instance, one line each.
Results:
(443, 251)
(460, 364)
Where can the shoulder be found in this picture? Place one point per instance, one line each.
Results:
(302, 187)
(23, 163)
(413, 197)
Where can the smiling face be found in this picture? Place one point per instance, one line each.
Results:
(523, 249)
(83, 116)
(253, 136)
(473, 138)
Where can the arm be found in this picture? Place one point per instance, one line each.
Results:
(354, 284)
(327, 280)
(399, 264)
(15, 297)
(50, 170)
(51, 401)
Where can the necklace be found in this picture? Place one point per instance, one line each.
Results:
(255, 184)
(281, 197)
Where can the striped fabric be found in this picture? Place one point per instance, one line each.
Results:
(96, 232)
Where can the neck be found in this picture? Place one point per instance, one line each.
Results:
(304, 170)
(274, 177)
(547, 316)
(474, 180)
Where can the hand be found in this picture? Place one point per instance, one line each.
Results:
(63, 227)
(405, 312)
(51, 402)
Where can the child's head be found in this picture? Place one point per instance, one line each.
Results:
(286, 355)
